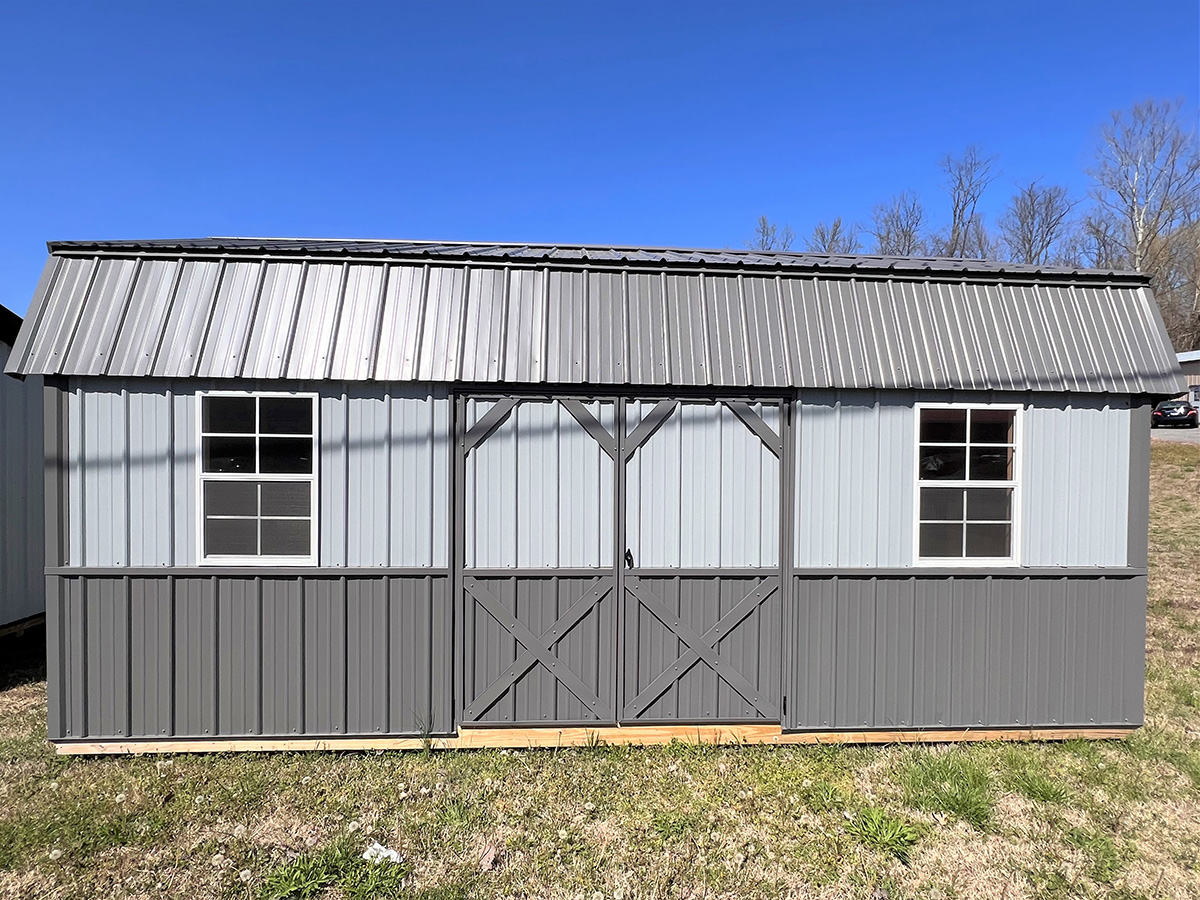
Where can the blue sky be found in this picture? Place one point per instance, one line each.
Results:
(627, 123)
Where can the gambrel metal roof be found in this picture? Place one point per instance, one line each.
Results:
(539, 314)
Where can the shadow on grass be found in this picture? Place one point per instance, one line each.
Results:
(23, 658)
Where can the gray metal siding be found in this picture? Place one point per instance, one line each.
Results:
(173, 656)
(540, 319)
(22, 539)
(132, 444)
(703, 490)
(962, 652)
(855, 473)
(539, 490)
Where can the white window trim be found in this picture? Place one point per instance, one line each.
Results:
(313, 479)
(1017, 484)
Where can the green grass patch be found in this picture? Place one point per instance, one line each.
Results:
(339, 865)
(889, 834)
(953, 782)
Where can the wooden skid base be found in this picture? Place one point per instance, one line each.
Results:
(644, 735)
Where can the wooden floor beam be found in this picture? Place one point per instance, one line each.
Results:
(641, 735)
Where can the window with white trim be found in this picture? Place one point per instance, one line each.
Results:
(966, 482)
(257, 478)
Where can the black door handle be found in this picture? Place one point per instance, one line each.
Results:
(628, 558)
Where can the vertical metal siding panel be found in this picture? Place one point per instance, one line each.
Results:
(75, 700)
(107, 616)
(367, 656)
(566, 336)
(22, 537)
(894, 659)
(135, 342)
(400, 328)
(151, 657)
(357, 328)
(858, 480)
(185, 327)
(932, 675)
(1008, 630)
(92, 346)
(441, 440)
(316, 322)
(239, 657)
(606, 330)
(765, 332)
(283, 697)
(271, 331)
(57, 657)
(105, 470)
(334, 464)
(75, 487)
(196, 671)
(441, 333)
(221, 355)
(582, 529)
(648, 337)
(421, 667)
(726, 331)
(1131, 598)
(412, 476)
(485, 317)
(184, 450)
(969, 654)
(688, 357)
(367, 495)
(536, 478)
(325, 656)
(819, 461)
(855, 649)
(150, 510)
(814, 694)
(523, 358)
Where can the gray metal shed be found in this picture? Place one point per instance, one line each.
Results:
(22, 583)
(304, 491)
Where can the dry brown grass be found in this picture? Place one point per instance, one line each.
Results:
(1119, 820)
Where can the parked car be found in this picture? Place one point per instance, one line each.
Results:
(1174, 413)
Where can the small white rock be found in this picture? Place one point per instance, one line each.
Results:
(56, 853)
(245, 875)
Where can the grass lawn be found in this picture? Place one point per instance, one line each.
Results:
(1118, 819)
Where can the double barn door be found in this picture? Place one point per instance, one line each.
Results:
(618, 560)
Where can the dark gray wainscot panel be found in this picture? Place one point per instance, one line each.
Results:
(962, 651)
(147, 656)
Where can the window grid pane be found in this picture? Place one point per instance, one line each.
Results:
(245, 516)
(961, 449)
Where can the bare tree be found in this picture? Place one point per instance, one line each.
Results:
(896, 226)
(967, 177)
(1037, 224)
(770, 236)
(1147, 208)
(835, 239)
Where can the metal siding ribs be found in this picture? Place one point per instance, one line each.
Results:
(389, 311)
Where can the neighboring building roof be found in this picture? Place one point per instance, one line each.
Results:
(10, 325)
(1189, 356)
(523, 313)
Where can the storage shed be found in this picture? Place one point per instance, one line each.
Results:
(22, 583)
(308, 493)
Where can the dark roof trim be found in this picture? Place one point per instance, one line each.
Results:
(594, 257)
(10, 326)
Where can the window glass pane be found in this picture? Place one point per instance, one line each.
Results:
(942, 503)
(230, 498)
(992, 426)
(989, 504)
(991, 464)
(285, 415)
(988, 540)
(941, 540)
(285, 498)
(943, 462)
(285, 537)
(944, 426)
(231, 537)
(285, 455)
(229, 454)
(229, 414)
